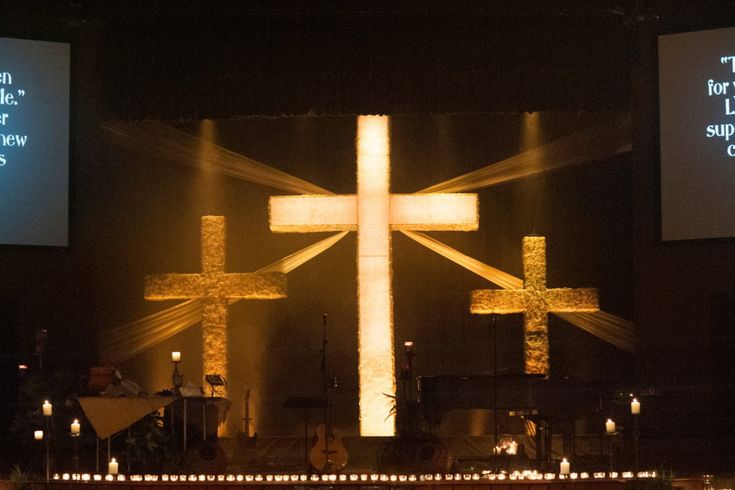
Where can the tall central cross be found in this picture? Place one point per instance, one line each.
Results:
(216, 289)
(535, 302)
(374, 212)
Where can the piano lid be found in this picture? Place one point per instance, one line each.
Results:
(562, 396)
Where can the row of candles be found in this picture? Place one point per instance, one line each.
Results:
(364, 477)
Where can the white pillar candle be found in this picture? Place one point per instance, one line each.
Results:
(176, 356)
(48, 409)
(75, 427)
(610, 426)
(564, 467)
(112, 467)
(38, 435)
(635, 407)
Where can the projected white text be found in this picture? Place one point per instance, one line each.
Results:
(10, 98)
(725, 90)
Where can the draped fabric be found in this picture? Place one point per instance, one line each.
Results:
(109, 415)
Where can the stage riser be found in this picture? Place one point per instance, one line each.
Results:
(517, 485)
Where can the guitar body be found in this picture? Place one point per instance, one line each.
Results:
(328, 454)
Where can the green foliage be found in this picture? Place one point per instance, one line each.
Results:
(19, 479)
(414, 448)
(411, 417)
(149, 448)
(60, 388)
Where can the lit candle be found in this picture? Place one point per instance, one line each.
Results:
(75, 427)
(112, 467)
(176, 356)
(38, 435)
(564, 467)
(512, 448)
(635, 407)
(47, 408)
(610, 426)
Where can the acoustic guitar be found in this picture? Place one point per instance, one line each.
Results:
(328, 454)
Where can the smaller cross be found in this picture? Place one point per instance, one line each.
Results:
(535, 302)
(216, 289)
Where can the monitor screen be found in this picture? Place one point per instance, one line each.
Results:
(697, 129)
(34, 142)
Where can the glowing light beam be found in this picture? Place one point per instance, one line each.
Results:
(606, 326)
(584, 146)
(184, 149)
(123, 342)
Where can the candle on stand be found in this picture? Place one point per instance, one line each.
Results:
(112, 467)
(635, 407)
(47, 408)
(75, 427)
(38, 435)
(610, 426)
(176, 356)
(564, 467)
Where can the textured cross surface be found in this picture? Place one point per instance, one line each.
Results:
(374, 212)
(216, 289)
(535, 302)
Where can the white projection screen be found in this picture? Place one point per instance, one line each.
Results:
(34, 142)
(697, 130)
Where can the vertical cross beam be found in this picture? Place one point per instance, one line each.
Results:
(375, 298)
(214, 305)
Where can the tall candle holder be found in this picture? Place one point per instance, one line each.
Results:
(177, 379)
(47, 410)
(611, 431)
(635, 411)
(408, 370)
(38, 437)
(75, 432)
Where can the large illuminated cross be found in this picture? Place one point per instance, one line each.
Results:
(535, 302)
(216, 289)
(374, 212)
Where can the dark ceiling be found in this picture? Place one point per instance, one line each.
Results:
(197, 59)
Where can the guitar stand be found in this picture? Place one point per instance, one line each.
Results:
(306, 403)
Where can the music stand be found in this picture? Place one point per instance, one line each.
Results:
(214, 380)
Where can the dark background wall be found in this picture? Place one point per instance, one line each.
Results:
(474, 68)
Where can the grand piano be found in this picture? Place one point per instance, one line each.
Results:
(547, 401)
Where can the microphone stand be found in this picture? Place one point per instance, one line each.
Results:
(326, 382)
